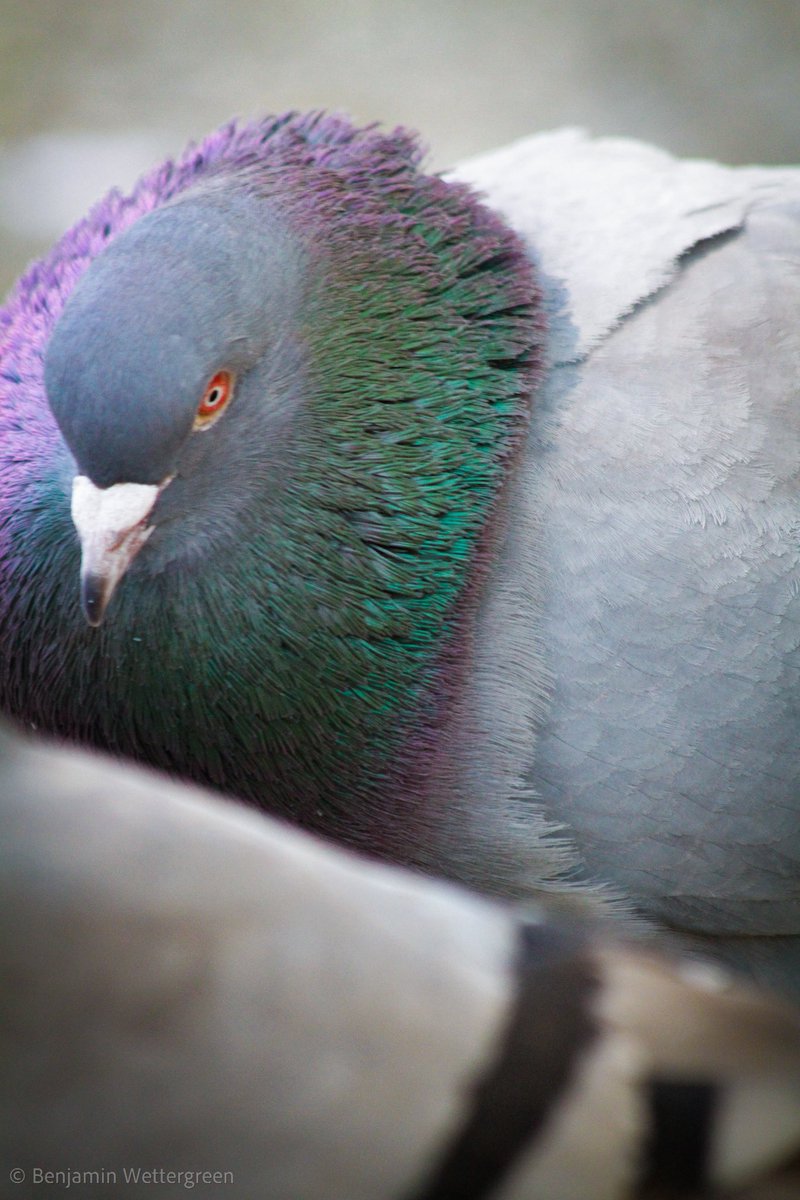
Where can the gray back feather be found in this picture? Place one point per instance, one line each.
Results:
(649, 578)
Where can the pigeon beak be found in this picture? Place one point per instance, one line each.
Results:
(111, 524)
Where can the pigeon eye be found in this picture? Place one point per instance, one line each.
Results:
(219, 390)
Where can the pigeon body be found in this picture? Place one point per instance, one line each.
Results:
(345, 582)
(191, 987)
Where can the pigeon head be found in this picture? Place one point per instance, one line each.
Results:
(285, 382)
(151, 340)
(178, 319)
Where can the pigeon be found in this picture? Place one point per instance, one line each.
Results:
(197, 995)
(453, 517)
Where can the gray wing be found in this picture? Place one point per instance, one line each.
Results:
(649, 586)
(188, 986)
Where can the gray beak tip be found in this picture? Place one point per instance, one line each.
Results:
(94, 598)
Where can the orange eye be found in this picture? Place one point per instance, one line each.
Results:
(219, 390)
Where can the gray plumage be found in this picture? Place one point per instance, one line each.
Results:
(649, 576)
(190, 985)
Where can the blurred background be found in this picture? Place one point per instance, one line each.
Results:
(95, 91)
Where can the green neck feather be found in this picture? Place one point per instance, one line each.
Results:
(308, 662)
